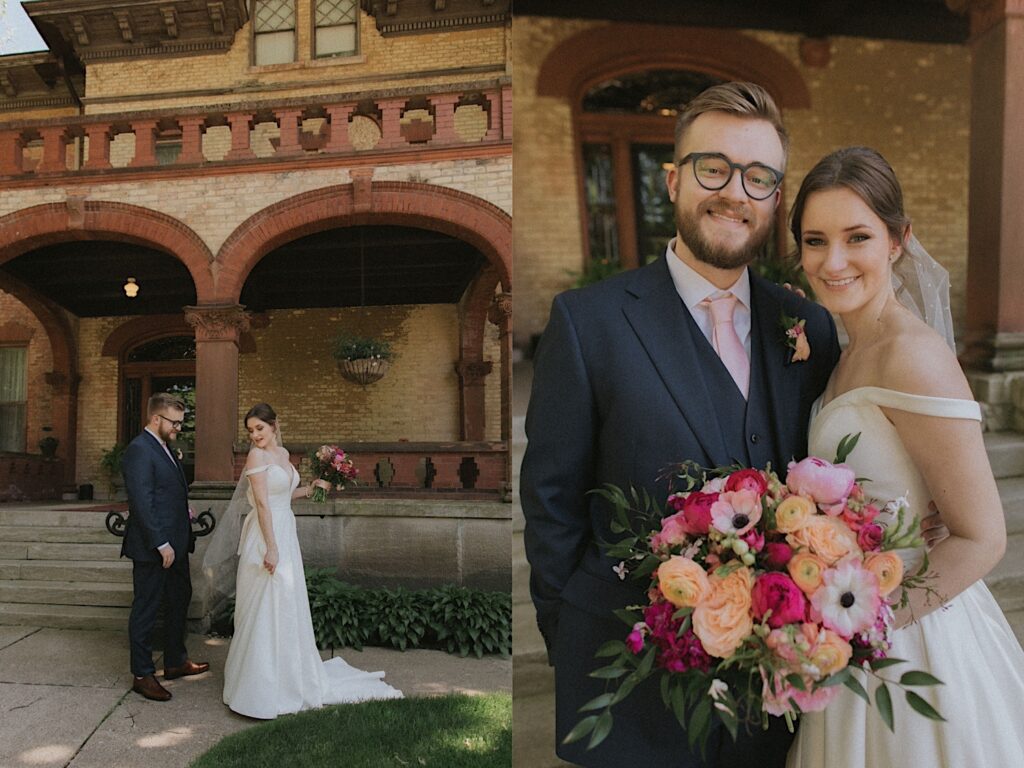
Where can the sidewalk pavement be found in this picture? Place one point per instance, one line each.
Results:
(66, 699)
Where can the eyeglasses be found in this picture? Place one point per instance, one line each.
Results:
(713, 171)
(176, 424)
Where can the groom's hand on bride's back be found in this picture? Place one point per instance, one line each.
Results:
(933, 530)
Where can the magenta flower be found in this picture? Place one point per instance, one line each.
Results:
(635, 640)
(776, 592)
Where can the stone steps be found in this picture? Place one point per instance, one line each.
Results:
(64, 593)
(64, 616)
(41, 516)
(67, 570)
(55, 534)
(1005, 453)
(31, 550)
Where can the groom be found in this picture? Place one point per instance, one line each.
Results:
(684, 358)
(157, 539)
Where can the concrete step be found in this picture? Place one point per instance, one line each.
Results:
(1011, 493)
(52, 517)
(56, 534)
(27, 550)
(118, 571)
(64, 616)
(1005, 453)
(111, 594)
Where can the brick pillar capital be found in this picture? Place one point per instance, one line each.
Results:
(473, 372)
(221, 322)
(500, 311)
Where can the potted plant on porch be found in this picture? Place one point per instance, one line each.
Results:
(110, 463)
(360, 359)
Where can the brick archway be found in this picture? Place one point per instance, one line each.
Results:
(468, 218)
(598, 54)
(63, 378)
(50, 223)
(475, 221)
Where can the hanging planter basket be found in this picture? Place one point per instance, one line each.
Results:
(364, 371)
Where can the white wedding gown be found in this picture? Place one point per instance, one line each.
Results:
(969, 645)
(273, 666)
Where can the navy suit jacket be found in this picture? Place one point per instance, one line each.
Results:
(618, 396)
(157, 501)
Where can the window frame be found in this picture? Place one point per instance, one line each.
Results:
(313, 28)
(23, 403)
(254, 34)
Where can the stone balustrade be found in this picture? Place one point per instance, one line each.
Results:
(416, 470)
(254, 132)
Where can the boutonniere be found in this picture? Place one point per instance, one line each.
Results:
(179, 454)
(796, 338)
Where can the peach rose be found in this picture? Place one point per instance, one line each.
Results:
(682, 582)
(888, 567)
(722, 620)
(806, 569)
(793, 513)
(830, 652)
(827, 537)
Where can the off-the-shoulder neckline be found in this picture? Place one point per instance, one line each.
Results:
(929, 398)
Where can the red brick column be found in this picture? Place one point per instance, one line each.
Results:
(11, 149)
(339, 116)
(145, 144)
(500, 314)
(472, 377)
(218, 328)
(54, 150)
(444, 118)
(241, 124)
(99, 146)
(390, 124)
(995, 264)
(288, 120)
(191, 139)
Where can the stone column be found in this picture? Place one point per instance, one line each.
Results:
(217, 327)
(500, 314)
(994, 342)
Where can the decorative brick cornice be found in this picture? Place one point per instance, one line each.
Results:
(473, 372)
(220, 322)
(500, 311)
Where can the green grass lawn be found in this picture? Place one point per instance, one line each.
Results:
(453, 731)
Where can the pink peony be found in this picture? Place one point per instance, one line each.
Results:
(827, 484)
(736, 512)
(747, 480)
(777, 554)
(777, 593)
(869, 538)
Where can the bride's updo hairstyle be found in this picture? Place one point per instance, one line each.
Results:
(263, 412)
(865, 173)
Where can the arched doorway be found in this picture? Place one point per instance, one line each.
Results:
(165, 364)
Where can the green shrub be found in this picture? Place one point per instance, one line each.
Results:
(348, 347)
(468, 621)
(454, 619)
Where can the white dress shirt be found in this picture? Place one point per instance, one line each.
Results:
(693, 288)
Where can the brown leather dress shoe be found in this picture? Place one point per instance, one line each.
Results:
(150, 688)
(188, 668)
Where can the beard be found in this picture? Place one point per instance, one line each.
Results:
(719, 256)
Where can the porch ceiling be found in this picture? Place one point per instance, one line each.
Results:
(918, 20)
(353, 266)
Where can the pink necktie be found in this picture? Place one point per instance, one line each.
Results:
(726, 342)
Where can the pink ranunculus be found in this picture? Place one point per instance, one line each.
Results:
(869, 538)
(755, 539)
(747, 480)
(827, 484)
(673, 532)
(776, 592)
(697, 512)
(777, 554)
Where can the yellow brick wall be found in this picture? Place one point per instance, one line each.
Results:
(911, 101)
(38, 361)
(393, 62)
(97, 399)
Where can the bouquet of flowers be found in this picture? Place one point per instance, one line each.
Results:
(330, 464)
(763, 597)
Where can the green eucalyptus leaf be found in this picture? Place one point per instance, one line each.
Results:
(602, 728)
(583, 727)
(883, 699)
(916, 677)
(923, 707)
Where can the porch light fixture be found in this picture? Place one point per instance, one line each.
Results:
(131, 288)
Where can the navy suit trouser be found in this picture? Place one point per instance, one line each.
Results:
(153, 585)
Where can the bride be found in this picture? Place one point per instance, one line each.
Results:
(899, 385)
(273, 666)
